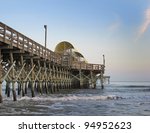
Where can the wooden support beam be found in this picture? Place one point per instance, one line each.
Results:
(1, 99)
(50, 78)
(46, 78)
(15, 51)
(36, 76)
(13, 76)
(32, 78)
(86, 77)
(7, 90)
(76, 76)
(93, 81)
(22, 82)
(102, 80)
(5, 46)
(81, 79)
(107, 79)
(19, 87)
(39, 77)
(10, 69)
(20, 72)
(19, 79)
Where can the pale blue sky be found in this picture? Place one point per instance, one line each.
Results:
(117, 28)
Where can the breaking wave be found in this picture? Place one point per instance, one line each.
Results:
(71, 98)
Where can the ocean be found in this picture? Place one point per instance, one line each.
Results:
(116, 99)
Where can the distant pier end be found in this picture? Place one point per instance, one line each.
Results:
(32, 67)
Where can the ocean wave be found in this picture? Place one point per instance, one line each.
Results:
(130, 86)
(71, 98)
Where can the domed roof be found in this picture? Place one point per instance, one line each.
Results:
(63, 46)
(78, 54)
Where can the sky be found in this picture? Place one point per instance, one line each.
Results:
(119, 29)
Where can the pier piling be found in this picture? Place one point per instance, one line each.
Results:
(1, 99)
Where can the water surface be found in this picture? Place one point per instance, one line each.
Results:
(118, 98)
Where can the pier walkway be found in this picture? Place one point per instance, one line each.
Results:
(25, 66)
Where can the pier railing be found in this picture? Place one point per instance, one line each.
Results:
(13, 39)
(25, 44)
(86, 66)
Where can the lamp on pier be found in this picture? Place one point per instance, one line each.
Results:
(45, 27)
(104, 60)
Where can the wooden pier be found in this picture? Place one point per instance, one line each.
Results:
(25, 66)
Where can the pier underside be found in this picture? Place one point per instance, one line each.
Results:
(28, 66)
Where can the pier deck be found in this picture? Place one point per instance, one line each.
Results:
(30, 66)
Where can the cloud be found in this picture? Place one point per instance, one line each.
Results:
(114, 26)
(146, 23)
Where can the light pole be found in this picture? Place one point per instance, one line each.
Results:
(104, 60)
(45, 27)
